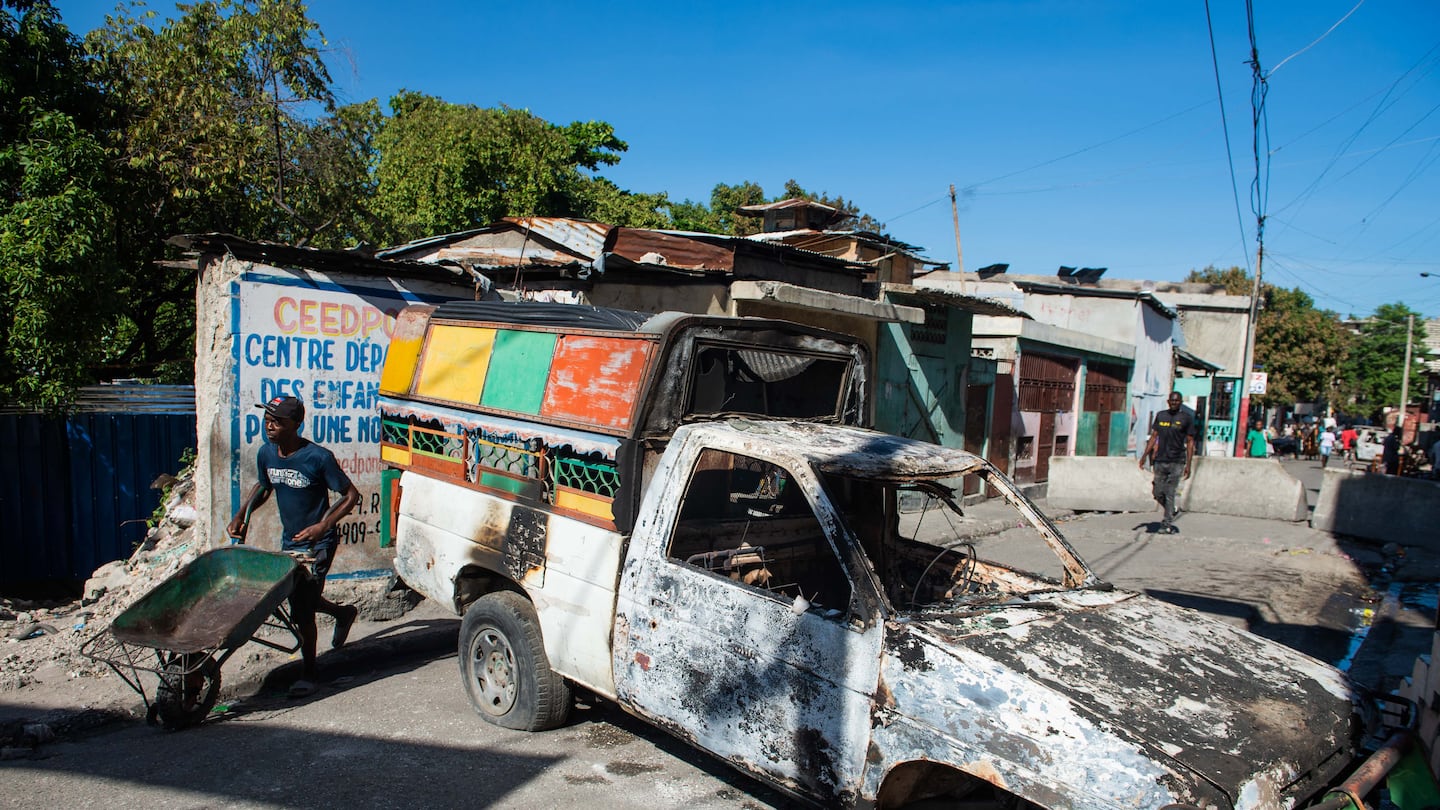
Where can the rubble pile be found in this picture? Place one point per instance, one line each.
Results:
(40, 640)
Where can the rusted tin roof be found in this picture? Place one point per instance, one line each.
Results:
(793, 202)
(347, 261)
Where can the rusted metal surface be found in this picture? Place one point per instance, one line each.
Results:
(671, 250)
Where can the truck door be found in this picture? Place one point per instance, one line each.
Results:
(739, 627)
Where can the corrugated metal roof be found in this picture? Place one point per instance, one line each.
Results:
(582, 236)
(968, 303)
(793, 202)
(348, 261)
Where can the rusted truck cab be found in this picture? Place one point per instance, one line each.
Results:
(719, 547)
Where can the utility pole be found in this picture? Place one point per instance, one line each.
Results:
(959, 257)
(1405, 374)
(1242, 419)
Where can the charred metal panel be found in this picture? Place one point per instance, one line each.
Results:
(780, 691)
(987, 720)
(524, 546)
(1230, 705)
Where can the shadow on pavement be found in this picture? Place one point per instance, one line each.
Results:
(280, 767)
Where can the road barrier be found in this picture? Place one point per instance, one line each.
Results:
(1386, 508)
(1244, 487)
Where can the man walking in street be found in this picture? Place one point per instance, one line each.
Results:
(1172, 447)
(302, 475)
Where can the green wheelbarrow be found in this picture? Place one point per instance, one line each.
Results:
(192, 623)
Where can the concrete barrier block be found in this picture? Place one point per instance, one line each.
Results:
(1244, 487)
(1099, 484)
(1386, 508)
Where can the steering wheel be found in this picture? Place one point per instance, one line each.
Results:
(964, 572)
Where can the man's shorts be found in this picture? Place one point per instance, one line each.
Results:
(323, 551)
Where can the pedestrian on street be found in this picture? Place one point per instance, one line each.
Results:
(1390, 452)
(1172, 447)
(1327, 445)
(1348, 437)
(1255, 441)
(302, 474)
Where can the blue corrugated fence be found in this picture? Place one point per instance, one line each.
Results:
(75, 492)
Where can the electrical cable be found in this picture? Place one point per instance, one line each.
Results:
(1327, 33)
(1225, 127)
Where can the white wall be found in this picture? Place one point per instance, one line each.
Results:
(263, 332)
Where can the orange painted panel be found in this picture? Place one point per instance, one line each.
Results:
(596, 380)
(456, 359)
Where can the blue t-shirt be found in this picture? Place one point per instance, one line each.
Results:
(302, 483)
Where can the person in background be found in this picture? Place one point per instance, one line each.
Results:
(302, 474)
(1255, 441)
(1390, 452)
(1348, 437)
(1327, 445)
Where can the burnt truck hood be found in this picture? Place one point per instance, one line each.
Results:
(1248, 715)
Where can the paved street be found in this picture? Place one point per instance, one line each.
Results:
(391, 728)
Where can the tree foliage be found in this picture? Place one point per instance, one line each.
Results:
(443, 167)
(1301, 348)
(1234, 279)
(720, 215)
(1375, 367)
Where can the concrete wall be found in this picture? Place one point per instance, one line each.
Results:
(264, 331)
(1258, 488)
(1385, 508)
(1099, 484)
(1245, 487)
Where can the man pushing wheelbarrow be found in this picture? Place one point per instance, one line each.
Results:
(302, 474)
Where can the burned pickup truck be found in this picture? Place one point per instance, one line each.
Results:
(684, 515)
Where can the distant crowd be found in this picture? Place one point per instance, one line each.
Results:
(1357, 445)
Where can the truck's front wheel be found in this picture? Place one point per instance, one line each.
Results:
(503, 664)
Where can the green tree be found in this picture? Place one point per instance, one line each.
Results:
(1375, 366)
(720, 215)
(55, 239)
(1234, 279)
(1301, 348)
(444, 167)
(56, 232)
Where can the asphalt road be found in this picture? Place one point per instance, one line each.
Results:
(391, 727)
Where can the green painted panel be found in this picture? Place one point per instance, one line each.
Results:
(1119, 433)
(519, 368)
(502, 483)
(1085, 434)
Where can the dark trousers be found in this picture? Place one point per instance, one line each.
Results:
(1167, 482)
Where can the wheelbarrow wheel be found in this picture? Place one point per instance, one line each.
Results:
(187, 692)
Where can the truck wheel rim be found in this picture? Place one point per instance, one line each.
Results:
(493, 663)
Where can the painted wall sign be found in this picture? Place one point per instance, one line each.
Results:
(324, 343)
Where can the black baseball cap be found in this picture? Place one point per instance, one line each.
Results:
(285, 408)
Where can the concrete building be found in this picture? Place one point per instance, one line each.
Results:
(1087, 367)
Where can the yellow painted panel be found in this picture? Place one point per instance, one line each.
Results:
(455, 361)
(394, 455)
(400, 361)
(580, 502)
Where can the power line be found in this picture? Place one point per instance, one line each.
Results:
(970, 188)
(1225, 126)
(1327, 33)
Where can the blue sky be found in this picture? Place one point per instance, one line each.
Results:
(1076, 133)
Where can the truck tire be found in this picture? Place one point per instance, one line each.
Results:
(503, 665)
